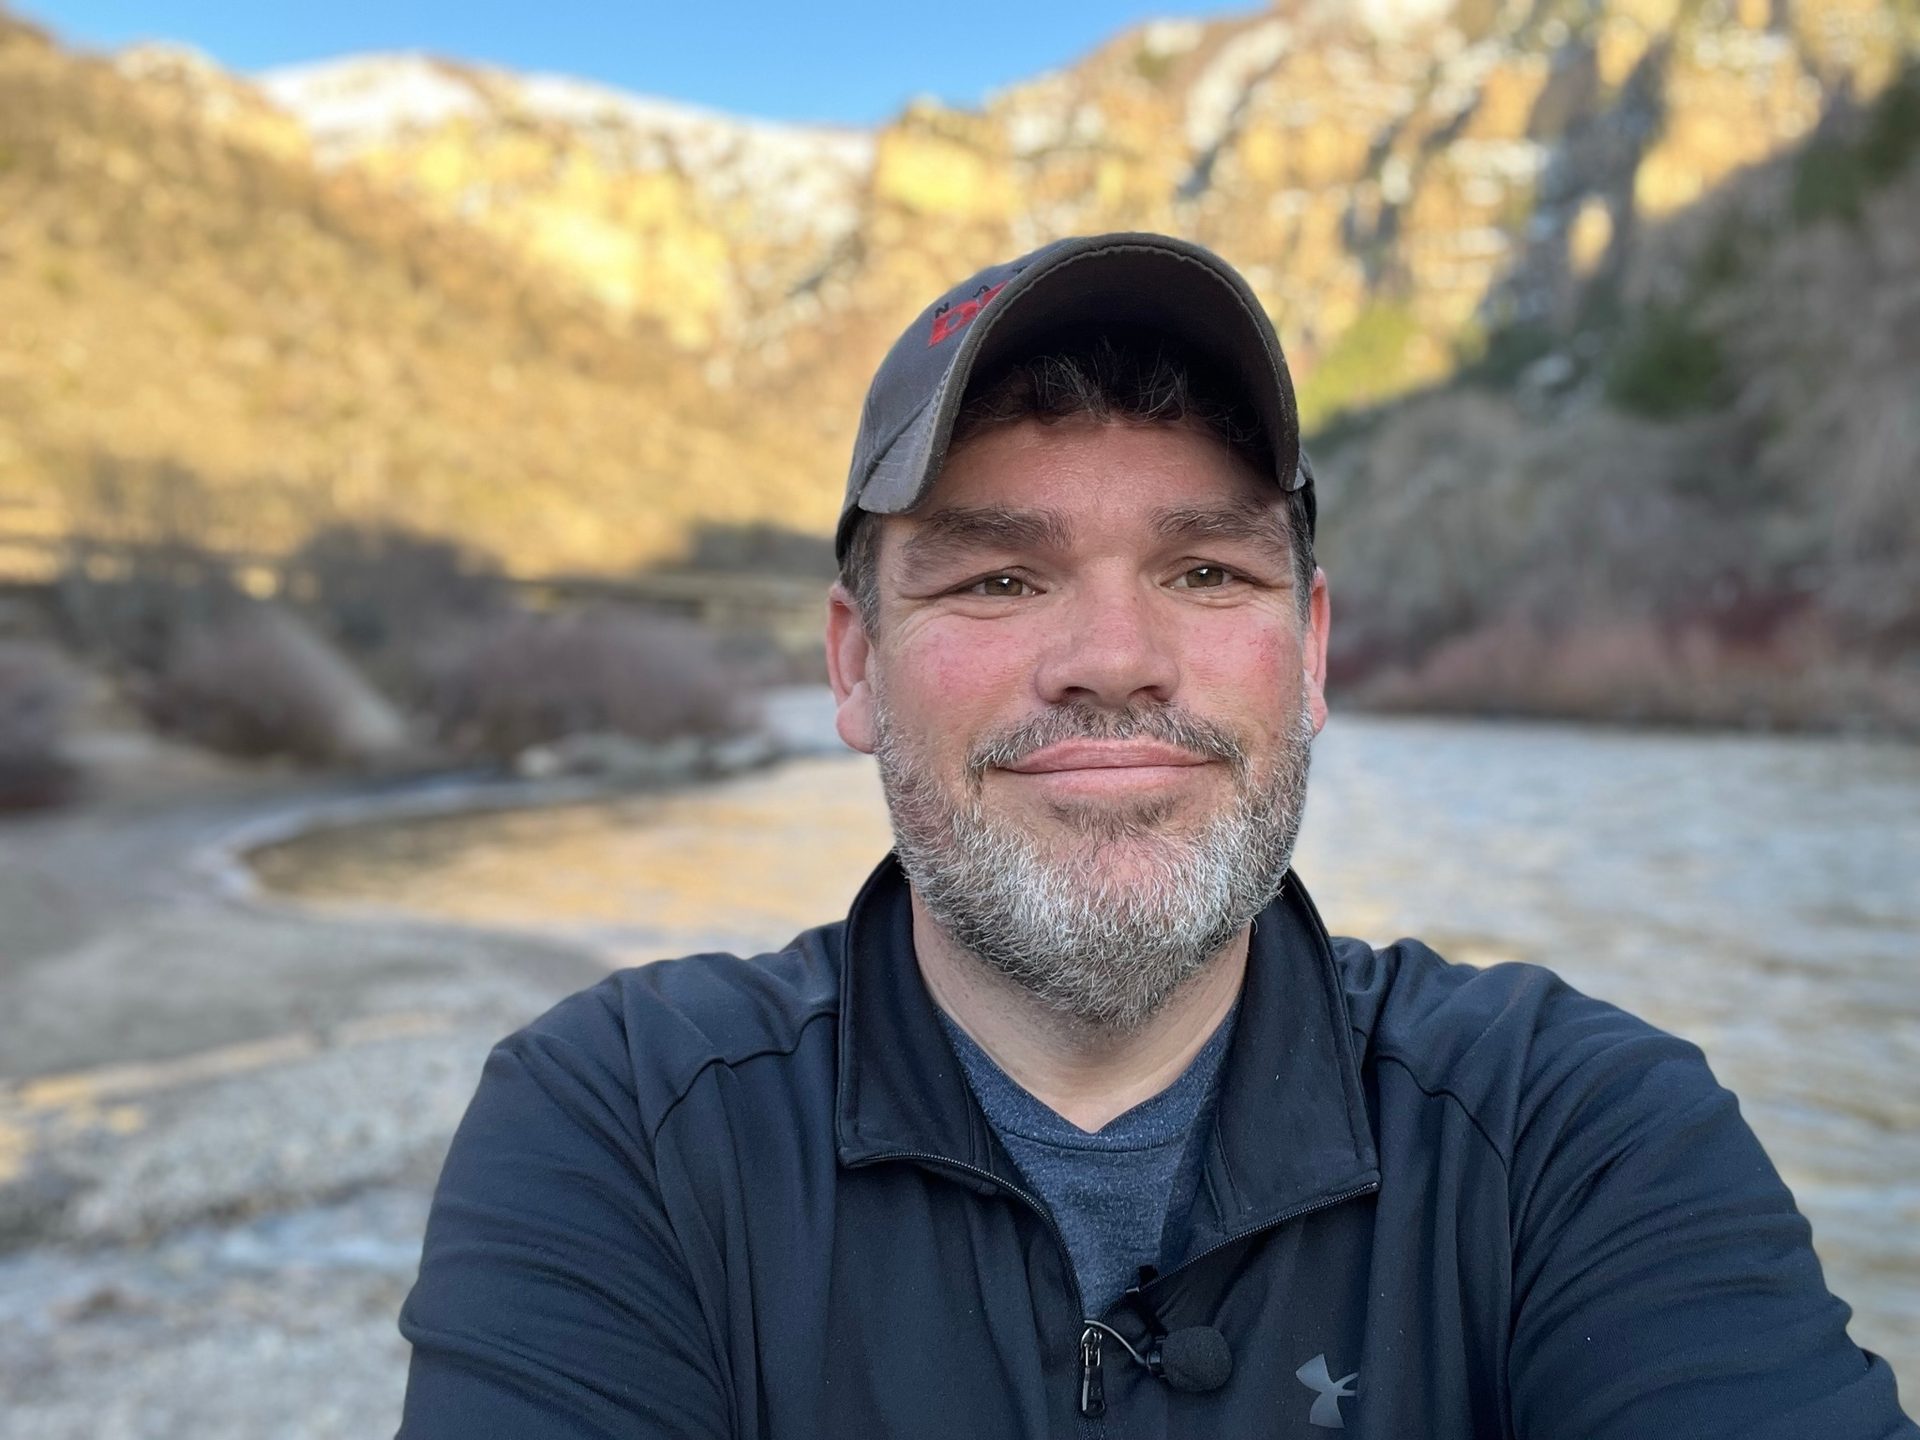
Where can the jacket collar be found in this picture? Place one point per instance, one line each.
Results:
(1290, 1128)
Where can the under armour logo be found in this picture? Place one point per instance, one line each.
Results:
(1326, 1408)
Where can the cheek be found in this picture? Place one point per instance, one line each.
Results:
(1253, 673)
(1249, 650)
(955, 678)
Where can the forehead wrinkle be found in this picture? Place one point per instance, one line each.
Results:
(960, 528)
(1238, 519)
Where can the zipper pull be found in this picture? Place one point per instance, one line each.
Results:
(1093, 1389)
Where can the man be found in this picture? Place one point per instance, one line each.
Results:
(1079, 1123)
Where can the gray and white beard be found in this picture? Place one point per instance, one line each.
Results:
(1106, 953)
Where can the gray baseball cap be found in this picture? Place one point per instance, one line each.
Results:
(1133, 281)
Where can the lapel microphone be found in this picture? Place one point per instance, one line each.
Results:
(1194, 1359)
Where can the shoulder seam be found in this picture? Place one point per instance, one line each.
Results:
(1437, 1092)
(799, 1033)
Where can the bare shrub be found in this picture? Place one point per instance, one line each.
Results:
(257, 681)
(1617, 670)
(524, 680)
(375, 589)
(133, 607)
(139, 573)
(39, 693)
(1638, 671)
(1831, 343)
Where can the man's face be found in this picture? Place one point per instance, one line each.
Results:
(1091, 692)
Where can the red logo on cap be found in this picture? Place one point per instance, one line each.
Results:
(949, 319)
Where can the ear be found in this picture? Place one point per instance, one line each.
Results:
(1313, 653)
(848, 653)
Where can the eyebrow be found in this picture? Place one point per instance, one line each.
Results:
(960, 530)
(1239, 520)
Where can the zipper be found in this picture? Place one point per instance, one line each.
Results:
(1033, 1202)
(1093, 1390)
(1092, 1384)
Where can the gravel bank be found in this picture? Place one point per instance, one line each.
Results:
(222, 1114)
(221, 1117)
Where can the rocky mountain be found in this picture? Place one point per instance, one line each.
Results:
(208, 337)
(697, 219)
(1391, 175)
(1698, 501)
(565, 322)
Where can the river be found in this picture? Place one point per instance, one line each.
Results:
(1757, 895)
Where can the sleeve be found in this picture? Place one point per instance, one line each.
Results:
(553, 1301)
(1664, 1283)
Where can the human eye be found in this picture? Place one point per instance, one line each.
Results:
(999, 587)
(1204, 577)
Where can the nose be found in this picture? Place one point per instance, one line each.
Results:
(1110, 648)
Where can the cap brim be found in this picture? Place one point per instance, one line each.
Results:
(1145, 282)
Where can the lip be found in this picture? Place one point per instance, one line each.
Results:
(1070, 755)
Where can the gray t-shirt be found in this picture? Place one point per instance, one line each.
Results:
(1119, 1194)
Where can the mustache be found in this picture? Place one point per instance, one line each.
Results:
(1081, 721)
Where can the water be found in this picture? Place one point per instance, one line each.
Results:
(1756, 895)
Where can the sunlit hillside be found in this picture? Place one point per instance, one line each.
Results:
(188, 308)
(1601, 308)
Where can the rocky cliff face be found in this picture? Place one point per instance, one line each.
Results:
(1395, 178)
(692, 218)
(1698, 499)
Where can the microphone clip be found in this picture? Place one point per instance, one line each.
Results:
(1202, 1360)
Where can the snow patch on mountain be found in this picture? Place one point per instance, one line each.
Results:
(368, 100)
(797, 179)
(347, 104)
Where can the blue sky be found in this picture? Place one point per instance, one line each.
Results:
(847, 61)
